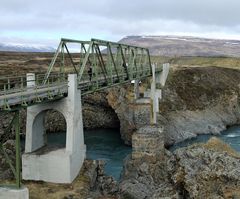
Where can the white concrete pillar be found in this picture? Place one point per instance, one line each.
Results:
(153, 96)
(136, 89)
(156, 94)
(162, 77)
(37, 138)
(14, 193)
(60, 165)
(35, 132)
(31, 82)
(74, 137)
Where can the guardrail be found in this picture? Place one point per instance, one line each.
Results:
(19, 90)
(23, 91)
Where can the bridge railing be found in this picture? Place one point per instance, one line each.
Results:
(24, 91)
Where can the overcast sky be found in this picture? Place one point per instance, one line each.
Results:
(46, 21)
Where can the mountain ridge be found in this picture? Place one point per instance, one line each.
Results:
(185, 45)
(25, 48)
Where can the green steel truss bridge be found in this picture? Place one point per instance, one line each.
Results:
(98, 64)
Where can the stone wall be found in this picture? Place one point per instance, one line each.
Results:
(148, 140)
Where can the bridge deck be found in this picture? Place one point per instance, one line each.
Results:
(101, 64)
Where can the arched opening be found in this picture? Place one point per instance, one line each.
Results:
(55, 125)
(49, 131)
(102, 133)
(107, 145)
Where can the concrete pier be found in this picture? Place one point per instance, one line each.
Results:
(61, 165)
(136, 89)
(158, 80)
(14, 193)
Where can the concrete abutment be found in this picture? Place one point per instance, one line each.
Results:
(60, 165)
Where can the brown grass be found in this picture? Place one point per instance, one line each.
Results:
(219, 146)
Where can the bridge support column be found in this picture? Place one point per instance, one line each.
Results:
(136, 89)
(158, 80)
(13, 193)
(31, 80)
(60, 165)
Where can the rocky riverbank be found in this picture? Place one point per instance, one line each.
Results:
(199, 100)
(200, 171)
(196, 100)
(151, 172)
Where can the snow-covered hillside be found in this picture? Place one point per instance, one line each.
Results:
(25, 47)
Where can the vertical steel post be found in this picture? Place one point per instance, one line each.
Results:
(140, 63)
(134, 63)
(149, 61)
(95, 67)
(110, 64)
(62, 69)
(145, 64)
(18, 162)
(130, 62)
(119, 64)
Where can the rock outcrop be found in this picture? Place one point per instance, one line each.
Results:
(199, 100)
(199, 171)
(132, 114)
(97, 113)
(208, 170)
(196, 100)
(5, 170)
(145, 173)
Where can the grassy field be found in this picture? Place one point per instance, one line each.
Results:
(18, 63)
(225, 62)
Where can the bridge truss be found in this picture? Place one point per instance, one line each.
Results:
(99, 64)
(110, 63)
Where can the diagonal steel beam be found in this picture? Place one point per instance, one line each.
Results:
(113, 61)
(82, 67)
(124, 62)
(70, 56)
(53, 62)
(100, 59)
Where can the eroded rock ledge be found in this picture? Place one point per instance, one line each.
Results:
(196, 100)
(200, 171)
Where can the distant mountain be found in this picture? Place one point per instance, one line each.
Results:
(25, 48)
(185, 46)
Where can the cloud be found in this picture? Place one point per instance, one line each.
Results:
(111, 19)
